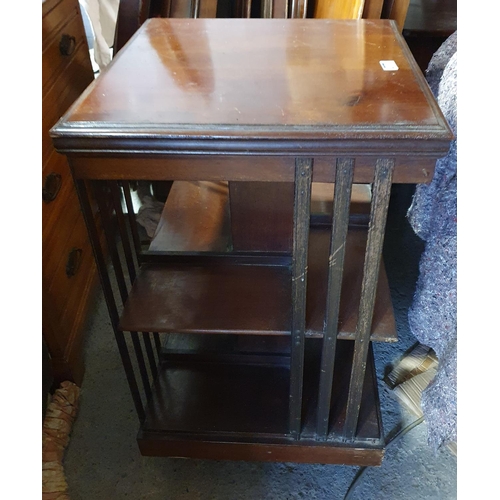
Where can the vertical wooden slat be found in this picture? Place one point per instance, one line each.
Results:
(280, 9)
(195, 8)
(124, 235)
(109, 296)
(156, 338)
(109, 233)
(150, 354)
(131, 219)
(299, 9)
(165, 9)
(141, 364)
(341, 203)
(247, 8)
(208, 9)
(380, 202)
(302, 208)
(266, 9)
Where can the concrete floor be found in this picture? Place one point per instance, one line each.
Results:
(103, 461)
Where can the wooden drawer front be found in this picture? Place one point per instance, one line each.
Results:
(61, 96)
(65, 277)
(57, 234)
(55, 15)
(63, 45)
(80, 294)
(67, 294)
(54, 61)
(57, 189)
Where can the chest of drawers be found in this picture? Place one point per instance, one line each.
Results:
(68, 269)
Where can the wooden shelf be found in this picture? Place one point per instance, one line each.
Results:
(253, 300)
(233, 405)
(209, 299)
(195, 218)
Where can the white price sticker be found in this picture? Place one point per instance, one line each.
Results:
(389, 65)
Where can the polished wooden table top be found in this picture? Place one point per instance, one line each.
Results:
(256, 79)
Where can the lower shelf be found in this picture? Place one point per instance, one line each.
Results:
(223, 410)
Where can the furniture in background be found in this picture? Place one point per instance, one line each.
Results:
(338, 9)
(235, 345)
(68, 268)
(428, 24)
(132, 13)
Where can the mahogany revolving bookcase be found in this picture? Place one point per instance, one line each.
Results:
(245, 325)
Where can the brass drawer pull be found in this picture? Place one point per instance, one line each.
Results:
(67, 45)
(73, 262)
(51, 187)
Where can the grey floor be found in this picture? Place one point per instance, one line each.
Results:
(103, 461)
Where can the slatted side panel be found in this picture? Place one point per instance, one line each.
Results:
(118, 262)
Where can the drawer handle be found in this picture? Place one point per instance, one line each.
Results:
(51, 187)
(73, 262)
(67, 45)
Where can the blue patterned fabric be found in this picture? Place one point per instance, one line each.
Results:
(433, 216)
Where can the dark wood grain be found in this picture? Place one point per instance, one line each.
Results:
(340, 216)
(157, 445)
(216, 299)
(261, 216)
(195, 218)
(373, 257)
(410, 169)
(301, 218)
(162, 299)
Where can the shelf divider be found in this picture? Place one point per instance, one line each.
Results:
(340, 217)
